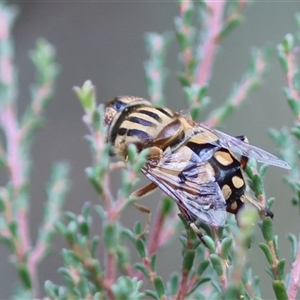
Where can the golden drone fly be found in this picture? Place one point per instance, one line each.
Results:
(194, 165)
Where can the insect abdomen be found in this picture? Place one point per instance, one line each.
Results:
(229, 176)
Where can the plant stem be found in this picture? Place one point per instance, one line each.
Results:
(294, 280)
(213, 25)
(15, 162)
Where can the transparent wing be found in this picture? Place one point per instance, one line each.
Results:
(184, 177)
(221, 139)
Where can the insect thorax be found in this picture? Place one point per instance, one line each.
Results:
(144, 126)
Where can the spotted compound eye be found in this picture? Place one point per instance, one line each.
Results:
(118, 105)
(113, 107)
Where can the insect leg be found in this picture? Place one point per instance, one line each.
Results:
(154, 152)
(197, 231)
(146, 190)
(244, 159)
(243, 162)
(146, 210)
(259, 206)
(242, 138)
(117, 165)
(192, 224)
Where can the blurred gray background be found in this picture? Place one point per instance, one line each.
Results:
(103, 41)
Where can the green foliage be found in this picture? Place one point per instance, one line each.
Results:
(15, 158)
(127, 288)
(155, 71)
(215, 261)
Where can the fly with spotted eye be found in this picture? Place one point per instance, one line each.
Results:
(194, 165)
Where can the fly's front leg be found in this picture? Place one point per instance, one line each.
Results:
(117, 165)
(155, 153)
(146, 210)
(146, 190)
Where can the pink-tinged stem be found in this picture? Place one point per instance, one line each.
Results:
(167, 233)
(110, 275)
(291, 62)
(105, 195)
(156, 232)
(129, 271)
(10, 126)
(242, 90)
(183, 289)
(37, 254)
(184, 286)
(146, 263)
(184, 7)
(160, 235)
(192, 282)
(115, 211)
(9, 123)
(187, 53)
(208, 49)
(294, 282)
(6, 70)
(33, 260)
